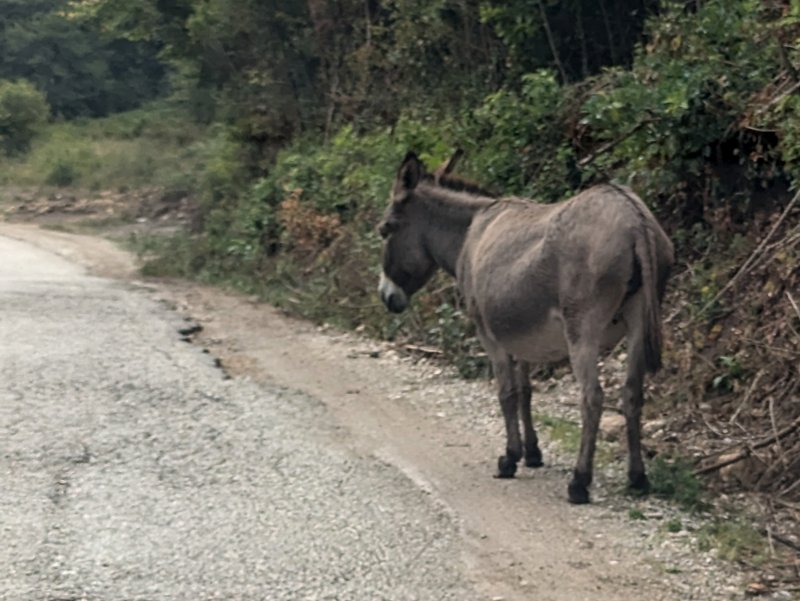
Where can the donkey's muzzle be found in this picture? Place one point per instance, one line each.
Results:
(392, 295)
(395, 303)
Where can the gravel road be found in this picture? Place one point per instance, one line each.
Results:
(132, 468)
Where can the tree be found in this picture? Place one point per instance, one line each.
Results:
(81, 71)
(23, 109)
(576, 37)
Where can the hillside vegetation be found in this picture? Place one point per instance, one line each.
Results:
(292, 118)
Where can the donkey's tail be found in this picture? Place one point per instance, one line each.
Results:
(645, 249)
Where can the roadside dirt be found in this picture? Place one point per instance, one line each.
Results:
(522, 540)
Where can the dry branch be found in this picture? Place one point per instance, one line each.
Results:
(748, 450)
(425, 350)
(753, 258)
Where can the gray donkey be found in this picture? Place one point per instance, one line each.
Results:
(542, 282)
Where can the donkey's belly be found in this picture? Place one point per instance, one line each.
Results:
(544, 343)
(547, 342)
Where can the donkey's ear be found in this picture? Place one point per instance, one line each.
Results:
(410, 171)
(447, 167)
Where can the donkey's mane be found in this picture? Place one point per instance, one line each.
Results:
(453, 198)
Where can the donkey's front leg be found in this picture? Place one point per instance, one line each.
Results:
(508, 392)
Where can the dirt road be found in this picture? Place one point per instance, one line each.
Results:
(517, 539)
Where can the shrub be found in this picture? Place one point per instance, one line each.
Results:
(23, 109)
(674, 479)
(516, 140)
(681, 110)
(62, 174)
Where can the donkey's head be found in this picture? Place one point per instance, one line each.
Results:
(407, 264)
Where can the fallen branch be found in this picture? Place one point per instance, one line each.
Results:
(748, 450)
(775, 431)
(747, 395)
(785, 94)
(425, 350)
(787, 542)
(796, 310)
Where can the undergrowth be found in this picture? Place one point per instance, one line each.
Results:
(156, 145)
(675, 480)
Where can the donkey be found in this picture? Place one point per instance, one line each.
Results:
(542, 282)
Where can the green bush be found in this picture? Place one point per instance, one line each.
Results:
(23, 110)
(349, 177)
(516, 140)
(62, 174)
(674, 479)
(678, 110)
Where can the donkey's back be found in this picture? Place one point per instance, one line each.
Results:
(530, 273)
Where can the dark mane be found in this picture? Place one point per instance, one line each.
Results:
(459, 184)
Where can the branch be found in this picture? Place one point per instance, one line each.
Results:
(552, 42)
(747, 451)
(612, 143)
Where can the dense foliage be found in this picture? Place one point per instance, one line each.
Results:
(81, 70)
(23, 110)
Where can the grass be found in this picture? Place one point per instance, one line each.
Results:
(164, 256)
(674, 525)
(563, 431)
(734, 540)
(674, 480)
(153, 146)
(636, 514)
(567, 434)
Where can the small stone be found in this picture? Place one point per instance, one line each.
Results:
(651, 427)
(611, 426)
(755, 589)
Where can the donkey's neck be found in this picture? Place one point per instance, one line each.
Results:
(448, 215)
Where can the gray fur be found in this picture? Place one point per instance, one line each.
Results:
(542, 283)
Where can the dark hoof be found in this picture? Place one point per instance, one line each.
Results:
(639, 483)
(533, 458)
(578, 489)
(506, 468)
(578, 494)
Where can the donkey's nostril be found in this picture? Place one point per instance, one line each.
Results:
(396, 303)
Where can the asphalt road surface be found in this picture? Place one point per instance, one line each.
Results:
(132, 469)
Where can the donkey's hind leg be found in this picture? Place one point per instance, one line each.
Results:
(584, 350)
(533, 455)
(633, 395)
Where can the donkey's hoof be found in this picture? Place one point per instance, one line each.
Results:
(578, 489)
(506, 468)
(577, 493)
(639, 483)
(533, 457)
